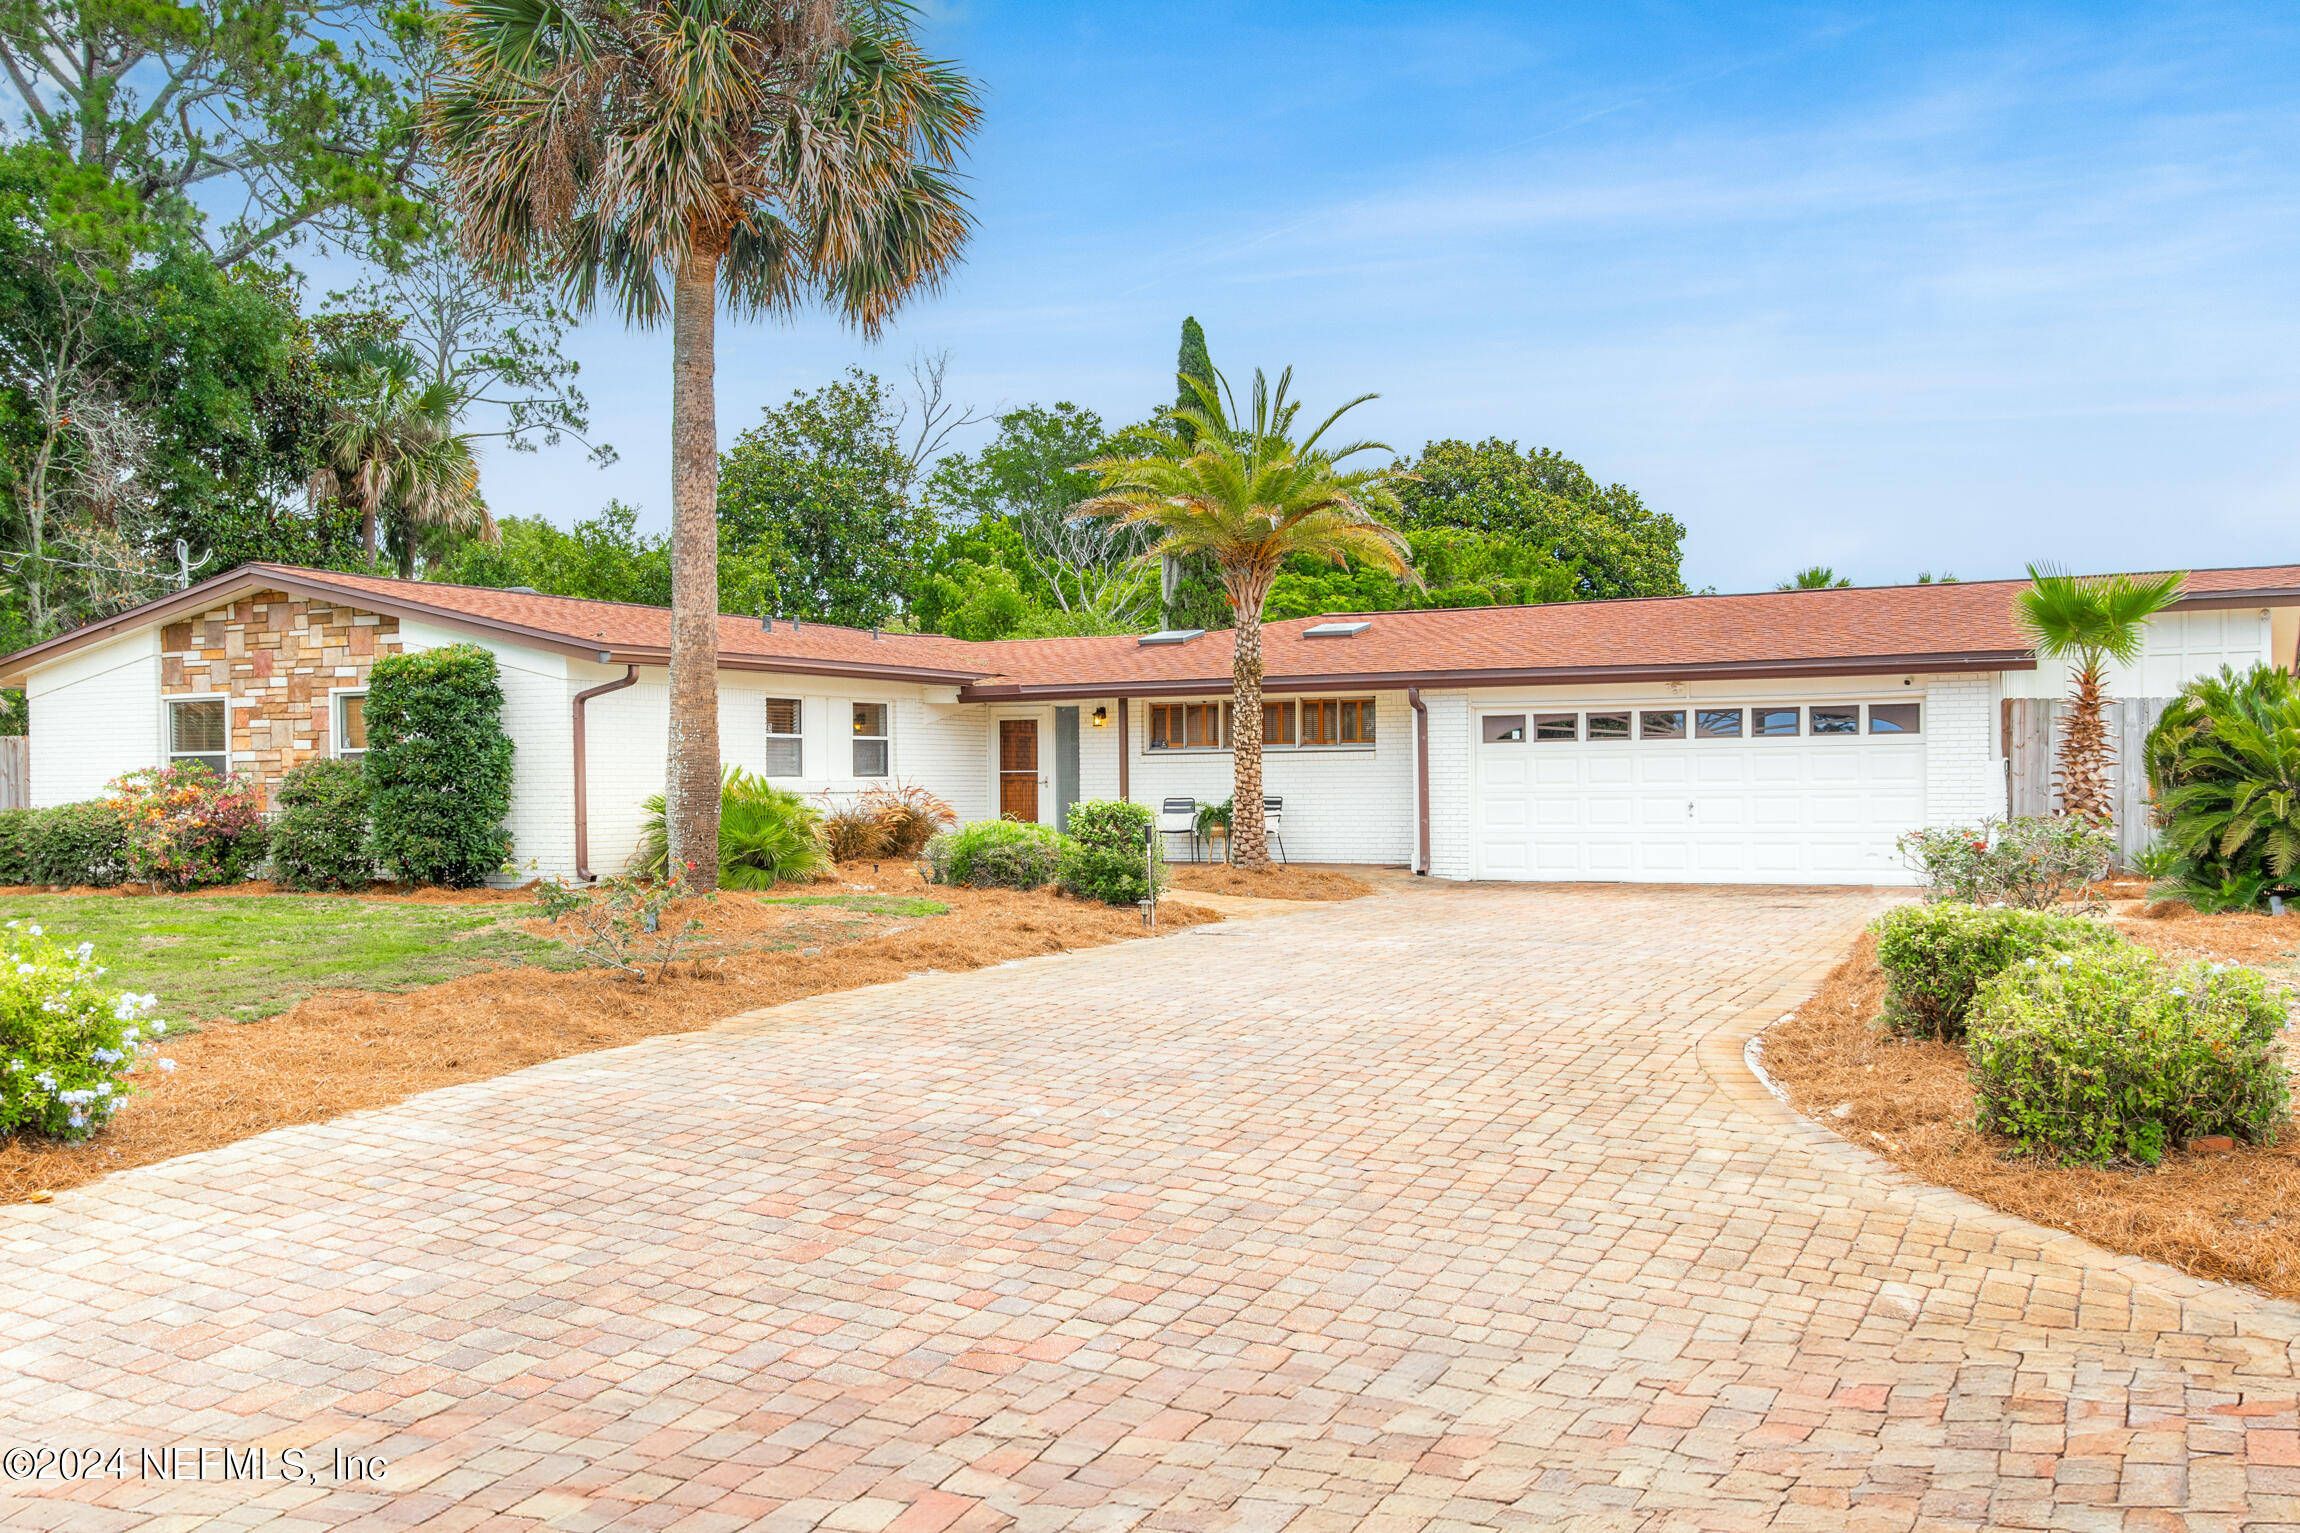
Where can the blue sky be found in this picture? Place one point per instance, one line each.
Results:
(1888, 288)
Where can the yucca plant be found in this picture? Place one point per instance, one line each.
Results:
(767, 835)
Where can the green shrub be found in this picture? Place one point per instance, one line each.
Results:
(2224, 772)
(438, 766)
(1106, 860)
(2115, 1054)
(1936, 956)
(19, 842)
(187, 828)
(998, 854)
(83, 843)
(767, 835)
(319, 839)
(67, 1045)
(2033, 864)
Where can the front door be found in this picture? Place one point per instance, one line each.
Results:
(1018, 770)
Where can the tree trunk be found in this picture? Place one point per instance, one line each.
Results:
(691, 775)
(367, 532)
(1249, 840)
(2085, 752)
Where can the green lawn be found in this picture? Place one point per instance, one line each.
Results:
(257, 956)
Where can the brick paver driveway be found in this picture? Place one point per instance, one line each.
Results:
(1452, 1208)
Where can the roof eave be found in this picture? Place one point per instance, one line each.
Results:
(1527, 676)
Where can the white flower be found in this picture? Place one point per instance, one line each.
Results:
(166, 1065)
(25, 968)
(159, 1028)
(103, 1088)
(34, 930)
(86, 950)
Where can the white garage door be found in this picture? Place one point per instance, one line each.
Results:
(1693, 793)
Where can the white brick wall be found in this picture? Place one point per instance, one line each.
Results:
(1342, 805)
(1964, 768)
(94, 714)
(536, 716)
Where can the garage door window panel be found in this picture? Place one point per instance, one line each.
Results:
(1504, 728)
(1777, 723)
(1661, 724)
(1609, 726)
(1556, 726)
(1718, 723)
(1842, 720)
(1895, 718)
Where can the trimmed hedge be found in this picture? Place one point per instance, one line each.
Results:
(320, 837)
(1936, 956)
(2114, 1054)
(83, 843)
(997, 854)
(438, 766)
(1106, 860)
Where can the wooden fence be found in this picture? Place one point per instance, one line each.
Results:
(15, 761)
(2032, 747)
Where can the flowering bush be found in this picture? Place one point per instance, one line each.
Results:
(2115, 1054)
(1936, 956)
(187, 828)
(2030, 863)
(67, 1045)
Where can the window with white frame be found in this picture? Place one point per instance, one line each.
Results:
(871, 739)
(351, 725)
(199, 729)
(786, 750)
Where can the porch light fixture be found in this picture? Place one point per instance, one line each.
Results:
(1101, 718)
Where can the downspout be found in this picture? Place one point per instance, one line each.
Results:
(582, 792)
(1421, 782)
(1123, 753)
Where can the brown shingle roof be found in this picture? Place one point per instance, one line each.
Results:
(1846, 631)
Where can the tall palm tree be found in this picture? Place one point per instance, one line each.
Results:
(2089, 620)
(390, 447)
(753, 152)
(1248, 495)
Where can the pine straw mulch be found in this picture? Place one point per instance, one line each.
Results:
(2234, 1217)
(1271, 883)
(342, 1051)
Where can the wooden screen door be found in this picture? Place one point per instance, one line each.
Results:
(1018, 770)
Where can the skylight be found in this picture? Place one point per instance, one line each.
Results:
(1334, 630)
(1170, 636)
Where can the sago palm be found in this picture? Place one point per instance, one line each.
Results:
(2089, 621)
(1249, 496)
(683, 153)
(389, 447)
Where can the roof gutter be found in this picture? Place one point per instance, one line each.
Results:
(582, 773)
(1532, 676)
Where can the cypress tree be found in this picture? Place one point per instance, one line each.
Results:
(1193, 362)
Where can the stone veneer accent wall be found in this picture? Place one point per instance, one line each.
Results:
(278, 657)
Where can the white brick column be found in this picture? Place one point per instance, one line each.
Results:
(1964, 771)
(1450, 851)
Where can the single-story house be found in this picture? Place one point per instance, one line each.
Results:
(1782, 737)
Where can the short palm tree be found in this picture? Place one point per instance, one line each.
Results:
(389, 446)
(753, 152)
(1818, 577)
(1248, 495)
(2089, 621)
